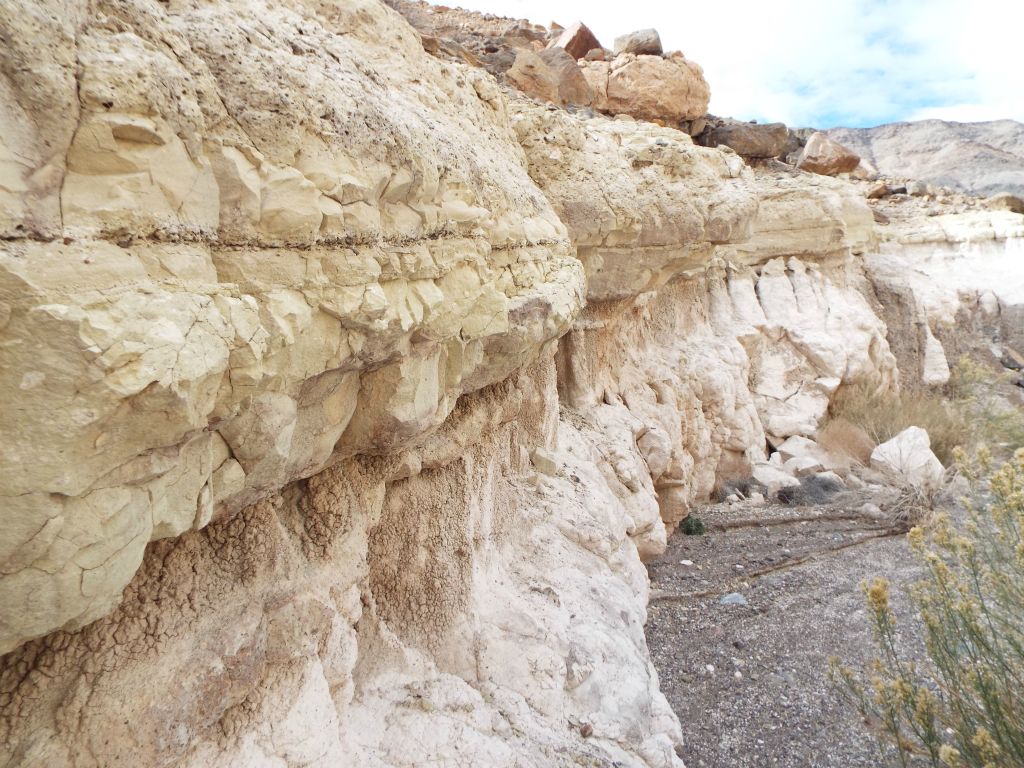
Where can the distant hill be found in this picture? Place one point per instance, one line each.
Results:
(981, 158)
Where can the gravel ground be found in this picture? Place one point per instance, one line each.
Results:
(750, 683)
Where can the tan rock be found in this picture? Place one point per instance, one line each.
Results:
(649, 87)
(572, 86)
(576, 39)
(827, 157)
(1006, 202)
(532, 75)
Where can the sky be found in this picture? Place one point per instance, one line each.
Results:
(826, 63)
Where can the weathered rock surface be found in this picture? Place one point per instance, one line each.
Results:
(670, 88)
(643, 41)
(981, 158)
(576, 40)
(351, 389)
(908, 457)
(754, 140)
(572, 86)
(234, 280)
(532, 75)
(827, 157)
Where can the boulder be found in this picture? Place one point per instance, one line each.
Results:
(670, 89)
(917, 188)
(824, 156)
(748, 139)
(878, 191)
(908, 457)
(802, 466)
(773, 478)
(532, 75)
(646, 41)
(572, 86)
(1006, 202)
(577, 40)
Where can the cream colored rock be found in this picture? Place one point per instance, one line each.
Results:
(177, 351)
(670, 88)
(641, 203)
(908, 458)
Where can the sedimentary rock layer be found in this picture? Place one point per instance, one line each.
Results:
(351, 390)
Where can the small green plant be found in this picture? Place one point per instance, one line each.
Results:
(692, 526)
(964, 705)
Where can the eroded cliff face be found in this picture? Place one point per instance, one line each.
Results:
(350, 390)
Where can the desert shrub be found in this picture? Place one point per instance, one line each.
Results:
(692, 526)
(883, 414)
(993, 419)
(963, 705)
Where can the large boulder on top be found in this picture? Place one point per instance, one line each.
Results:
(643, 41)
(576, 39)
(748, 139)
(669, 89)
(827, 157)
(908, 458)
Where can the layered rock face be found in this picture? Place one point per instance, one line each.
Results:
(980, 158)
(350, 390)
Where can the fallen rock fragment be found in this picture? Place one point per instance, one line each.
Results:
(642, 41)
(756, 140)
(733, 598)
(571, 85)
(908, 458)
(532, 75)
(577, 40)
(824, 156)
(1006, 202)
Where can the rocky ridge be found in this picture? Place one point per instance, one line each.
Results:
(982, 159)
(355, 387)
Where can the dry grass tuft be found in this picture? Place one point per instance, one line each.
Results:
(881, 415)
(844, 439)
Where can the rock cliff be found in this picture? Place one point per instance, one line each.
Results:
(980, 158)
(350, 388)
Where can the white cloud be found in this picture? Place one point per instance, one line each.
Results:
(840, 62)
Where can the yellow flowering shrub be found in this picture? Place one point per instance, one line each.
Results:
(964, 706)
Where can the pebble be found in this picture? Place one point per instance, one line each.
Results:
(871, 509)
(686, 562)
(733, 598)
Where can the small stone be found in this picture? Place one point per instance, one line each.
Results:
(544, 462)
(709, 668)
(733, 598)
(687, 563)
(586, 730)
